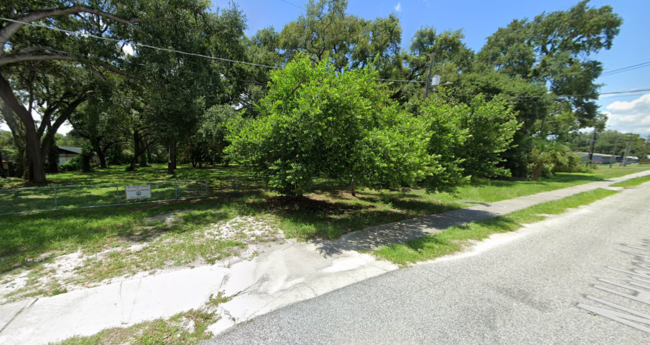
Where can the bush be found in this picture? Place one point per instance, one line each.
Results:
(467, 140)
(572, 164)
(548, 158)
(72, 165)
(316, 122)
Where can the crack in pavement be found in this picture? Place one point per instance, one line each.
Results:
(17, 314)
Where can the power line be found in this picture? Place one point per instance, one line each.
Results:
(167, 49)
(624, 69)
(627, 69)
(624, 92)
(138, 44)
(292, 4)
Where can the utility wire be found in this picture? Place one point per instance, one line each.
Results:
(624, 69)
(167, 49)
(624, 92)
(292, 4)
(138, 44)
(627, 69)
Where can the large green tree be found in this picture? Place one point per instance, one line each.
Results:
(24, 45)
(555, 51)
(182, 87)
(317, 122)
(326, 31)
(467, 140)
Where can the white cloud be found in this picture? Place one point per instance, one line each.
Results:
(630, 117)
(398, 7)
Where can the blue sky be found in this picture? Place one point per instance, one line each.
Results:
(480, 18)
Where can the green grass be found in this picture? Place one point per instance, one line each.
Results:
(155, 172)
(160, 331)
(454, 239)
(633, 182)
(30, 240)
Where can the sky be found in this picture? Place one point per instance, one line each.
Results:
(480, 18)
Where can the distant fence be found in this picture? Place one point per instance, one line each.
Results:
(252, 184)
(22, 200)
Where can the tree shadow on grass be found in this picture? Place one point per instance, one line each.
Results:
(400, 232)
(413, 207)
(323, 218)
(26, 237)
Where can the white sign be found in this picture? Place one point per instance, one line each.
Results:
(138, 192)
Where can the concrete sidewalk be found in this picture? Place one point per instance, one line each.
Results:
(283, 275)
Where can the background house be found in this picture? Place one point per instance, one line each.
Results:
(66, 153)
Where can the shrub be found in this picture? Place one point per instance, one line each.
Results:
(72, 165)
(317, 122)
(467, 140)
(548, 158)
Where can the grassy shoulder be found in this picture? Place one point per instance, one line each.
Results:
(125, 240)
(185, 328)
(633, 182)
(454, 239)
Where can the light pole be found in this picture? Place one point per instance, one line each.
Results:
(591, 148)
(627, 150)
(426, 89)
(614, 154)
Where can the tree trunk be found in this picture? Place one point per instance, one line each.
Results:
(85, 163)
(21, 158)
(136, 148)
(102, 159)
(53, 159)
(12, 171)
(352, 188)
(35, 164)
(35, 160)
(2, 168)
(171, 160)
(143, 159)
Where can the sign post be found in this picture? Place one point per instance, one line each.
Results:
(138, 192)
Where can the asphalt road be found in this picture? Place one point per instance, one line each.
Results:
(530, 289)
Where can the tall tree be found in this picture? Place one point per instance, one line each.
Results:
(101, 121)
(24, 45)
(557, 49)
(452, 60)
(326, 31)
(182, 87)
(317, 122)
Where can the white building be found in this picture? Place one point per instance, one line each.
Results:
(66, 153)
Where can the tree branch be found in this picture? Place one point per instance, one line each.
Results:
(23, 58)
(63, 116)
(11, 29)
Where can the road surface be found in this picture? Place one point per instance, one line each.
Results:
(577, 278)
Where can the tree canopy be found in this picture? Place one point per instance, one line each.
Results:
(329, 95)
(318, 122)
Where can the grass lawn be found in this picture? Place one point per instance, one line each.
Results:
(454, 239)
(633, 182)
(31, 241)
